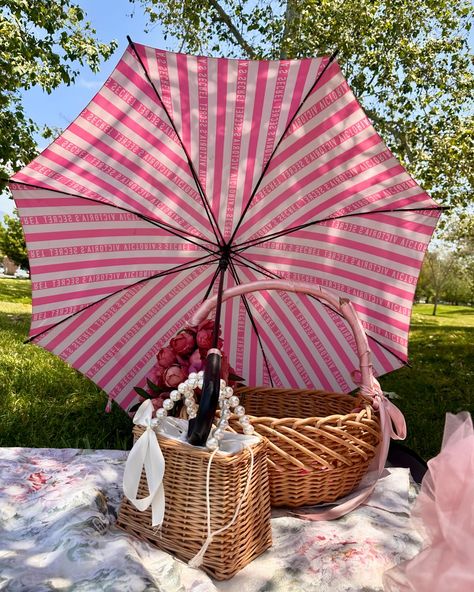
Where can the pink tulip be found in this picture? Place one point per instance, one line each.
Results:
(174, 375)
(184, 343)
(166, 357)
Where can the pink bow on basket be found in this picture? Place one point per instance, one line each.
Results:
(392, 426)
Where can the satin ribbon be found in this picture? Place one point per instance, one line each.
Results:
(392, 425)
(146, 453)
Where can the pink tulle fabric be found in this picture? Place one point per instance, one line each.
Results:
(444, 510)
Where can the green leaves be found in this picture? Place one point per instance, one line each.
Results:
(12, 241)
(42, 44)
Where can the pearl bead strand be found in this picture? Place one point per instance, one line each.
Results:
(228, 402)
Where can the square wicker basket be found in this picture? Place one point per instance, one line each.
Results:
(184, 529)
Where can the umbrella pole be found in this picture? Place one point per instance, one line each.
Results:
(200, 427)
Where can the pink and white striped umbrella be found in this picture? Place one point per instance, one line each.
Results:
(181, 163)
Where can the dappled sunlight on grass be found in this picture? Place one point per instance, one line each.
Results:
(441, 376)
(46, 403)
(14, 290)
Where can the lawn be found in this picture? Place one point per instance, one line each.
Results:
(45, 403)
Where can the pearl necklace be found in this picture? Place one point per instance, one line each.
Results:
(228, 403)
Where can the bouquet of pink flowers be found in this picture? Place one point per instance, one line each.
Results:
(185, 353)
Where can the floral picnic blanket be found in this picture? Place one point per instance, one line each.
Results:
(57, 532)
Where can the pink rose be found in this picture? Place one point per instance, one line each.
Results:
(205, 334)
(183, 344)
(155, 374)
(166, 357)
(173, 375)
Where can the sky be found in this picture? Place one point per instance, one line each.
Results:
(112, 19)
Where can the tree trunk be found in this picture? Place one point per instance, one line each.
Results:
(435, 302)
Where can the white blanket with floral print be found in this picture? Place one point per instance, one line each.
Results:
(57, 515)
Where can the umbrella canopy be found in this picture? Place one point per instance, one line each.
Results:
(183, 167)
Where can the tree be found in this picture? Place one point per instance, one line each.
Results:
(408, 62)
(13, 241)
(43, 43)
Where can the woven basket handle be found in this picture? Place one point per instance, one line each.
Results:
(341, 305)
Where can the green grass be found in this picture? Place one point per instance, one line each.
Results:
(441, 376)
(45, 403)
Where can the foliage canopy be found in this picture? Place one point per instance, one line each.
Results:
(43, 43)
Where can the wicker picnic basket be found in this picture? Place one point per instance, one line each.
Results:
(320, 443)
(185, 526)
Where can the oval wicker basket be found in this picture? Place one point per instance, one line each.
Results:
(320, 443)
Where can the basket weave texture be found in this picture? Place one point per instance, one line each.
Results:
(184, 528)
(320, 443)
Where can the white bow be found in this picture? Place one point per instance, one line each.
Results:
(146, 452)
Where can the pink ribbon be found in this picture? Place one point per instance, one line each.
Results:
(392, 425)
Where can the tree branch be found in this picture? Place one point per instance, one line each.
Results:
(290, 15)
(225, 18)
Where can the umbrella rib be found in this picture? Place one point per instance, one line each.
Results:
(256, 267)
(273, 275)
(210, 215)
(171, 229)
(277, 145)
(183, 267)
(258, 241)
(211, 285)
(235, 275)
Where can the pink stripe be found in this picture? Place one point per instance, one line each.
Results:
(203, 95)
(322, 326)
(278, 96)
(311, 135)
(173, 153)
(307, 113)
(266, 322)
(124, 261)
(67, 283)
(350, 253)
(252, 162)
(297, 186)
(46, 201)
(162, 62)
(114, 191)
(220, 118)
(239, 112)
(381, 195)
(85, 294)
(337, 285)
(337, 271)
(311, 358)
(183, 83)
(145, 337)
(297, 95)
(382, 358)
(140, 172)
(398, 222)
(414, 201)
(104, 232)
(399, 323)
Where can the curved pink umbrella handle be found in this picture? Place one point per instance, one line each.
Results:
(342, 305)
